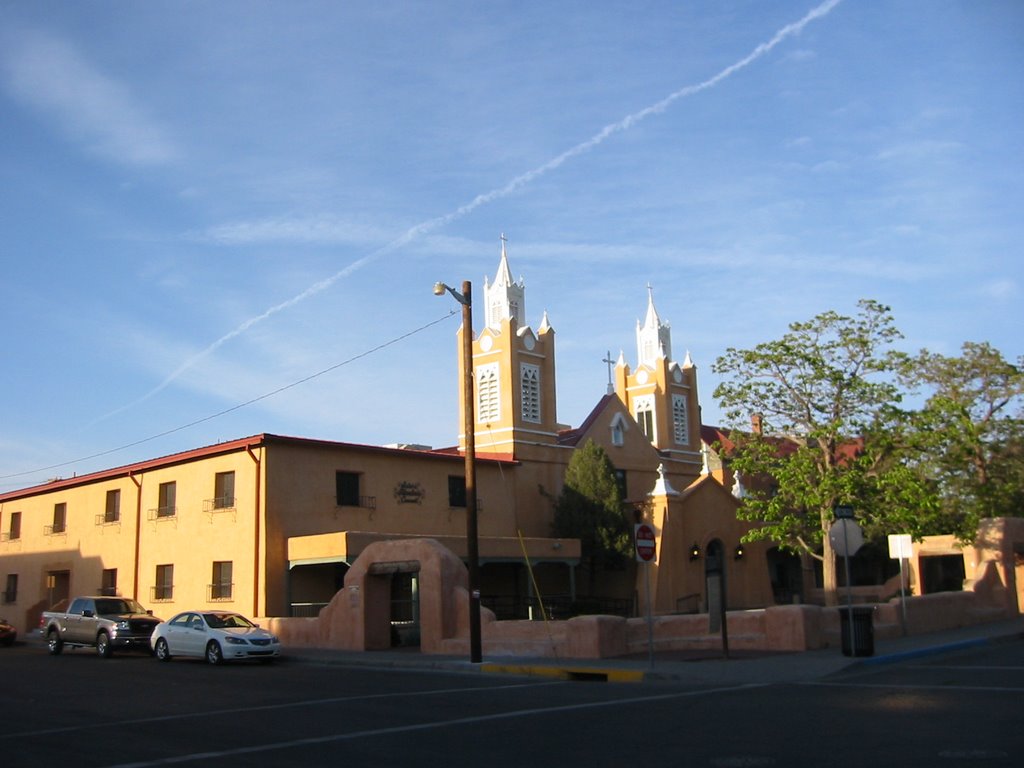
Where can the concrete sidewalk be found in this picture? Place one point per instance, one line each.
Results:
(698, 667)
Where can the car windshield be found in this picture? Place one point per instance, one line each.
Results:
(227, 620)
(116, 605)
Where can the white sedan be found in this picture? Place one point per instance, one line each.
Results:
(214, 635)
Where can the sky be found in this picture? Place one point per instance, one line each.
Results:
(222, 219)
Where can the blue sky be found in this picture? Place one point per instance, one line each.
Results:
(204, 203)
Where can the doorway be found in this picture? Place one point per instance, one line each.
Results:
(714, 583)
(58, 588)
(405, 609)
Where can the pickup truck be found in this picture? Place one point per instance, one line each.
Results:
(103, 623)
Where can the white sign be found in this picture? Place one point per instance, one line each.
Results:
(846, 537)
(900, 546)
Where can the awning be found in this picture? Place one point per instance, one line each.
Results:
(346, 546)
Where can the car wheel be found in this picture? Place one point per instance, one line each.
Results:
(162, 651)
(103, 646)
(53, 643)
(214, 655)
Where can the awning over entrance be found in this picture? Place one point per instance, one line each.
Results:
(346, 546)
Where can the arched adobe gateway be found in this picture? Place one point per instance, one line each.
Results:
(359, 616)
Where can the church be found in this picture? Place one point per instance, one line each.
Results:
(268, 525)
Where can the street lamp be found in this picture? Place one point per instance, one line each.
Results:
(472, 544)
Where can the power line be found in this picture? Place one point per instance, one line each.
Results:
(238, 406)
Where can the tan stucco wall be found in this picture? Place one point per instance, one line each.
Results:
(191, 540)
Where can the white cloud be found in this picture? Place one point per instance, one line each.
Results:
(1000, 289)
(92, 108)
(323, 229)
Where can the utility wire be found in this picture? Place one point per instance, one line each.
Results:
(239, 406)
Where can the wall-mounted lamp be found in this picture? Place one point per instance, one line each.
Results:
(695, 551)
(738, 552)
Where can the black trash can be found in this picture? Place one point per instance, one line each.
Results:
(862, 642)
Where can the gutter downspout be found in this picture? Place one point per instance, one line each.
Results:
(138, 530)
(256, 543)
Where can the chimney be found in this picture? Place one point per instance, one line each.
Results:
(757, 423)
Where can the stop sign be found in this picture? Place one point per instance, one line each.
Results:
(643, 535)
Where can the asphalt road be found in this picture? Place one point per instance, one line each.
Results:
(962, 709)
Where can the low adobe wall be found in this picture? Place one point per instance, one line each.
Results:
(357, 620)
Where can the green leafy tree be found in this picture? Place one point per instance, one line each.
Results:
(590, 508)
(823, 391)
(969, 436)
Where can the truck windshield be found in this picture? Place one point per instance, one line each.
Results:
(115, 606)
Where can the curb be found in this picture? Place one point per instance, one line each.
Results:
(601, 674)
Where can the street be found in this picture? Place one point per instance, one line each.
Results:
(963, 708)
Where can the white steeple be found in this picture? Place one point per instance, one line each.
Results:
(505, 298)
(653, 338)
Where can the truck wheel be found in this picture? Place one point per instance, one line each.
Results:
(103, 646)
(163, 653)
(214, 655)
(54, 645)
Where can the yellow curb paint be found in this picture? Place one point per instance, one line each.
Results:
(566, 673)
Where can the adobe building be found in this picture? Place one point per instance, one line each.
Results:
(269, 525)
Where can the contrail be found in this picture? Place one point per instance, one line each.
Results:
(518, 182)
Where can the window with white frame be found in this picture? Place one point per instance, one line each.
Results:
(529, 376)
(488, 394)
(644, 415)
(618, 430)
(679, 419)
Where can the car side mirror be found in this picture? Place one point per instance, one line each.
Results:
(88, 614)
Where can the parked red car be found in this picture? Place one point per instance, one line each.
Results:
(8, 634)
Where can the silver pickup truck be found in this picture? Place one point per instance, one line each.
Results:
(103, 623)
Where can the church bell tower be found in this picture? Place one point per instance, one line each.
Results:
(513, 372)
(661, 394)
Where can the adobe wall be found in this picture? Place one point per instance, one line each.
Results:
(357, 618)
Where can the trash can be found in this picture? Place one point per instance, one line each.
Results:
(862, 642)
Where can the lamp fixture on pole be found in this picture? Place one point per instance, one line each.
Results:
(465, 298)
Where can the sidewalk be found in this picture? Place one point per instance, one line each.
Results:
(698, 668)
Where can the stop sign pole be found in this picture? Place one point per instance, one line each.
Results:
(645, 545)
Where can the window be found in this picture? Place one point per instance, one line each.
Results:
(112, 510)
(14, 529)
(164, 587)
(220, 589)
(347, 488)
(456, 491)
(620, 480)
(645, 416)
(11, 589)
(167, 505)
(530, 379)
(488, 394)
(618, 430)
(60, 518)
(224, 490)
(108, 585)
(679, 420)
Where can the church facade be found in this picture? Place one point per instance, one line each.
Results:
(268, 525)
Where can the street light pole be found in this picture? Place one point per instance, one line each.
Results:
(472, 537)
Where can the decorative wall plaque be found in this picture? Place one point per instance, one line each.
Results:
(409, 493)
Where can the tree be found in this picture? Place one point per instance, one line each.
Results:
(822, 391)
(970, 433)
(590, 508)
